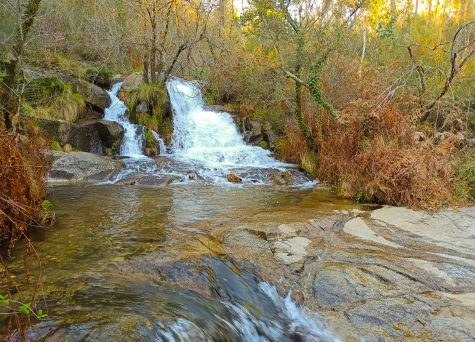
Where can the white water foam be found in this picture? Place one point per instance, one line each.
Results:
(209, 137)
(133, 134)
(294, 321)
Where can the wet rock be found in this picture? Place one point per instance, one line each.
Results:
(151, 151)
(291, 251)
(279, 232)
(96, 136)
(233, 178)
(111, 133)
(332, 289)
(280, 177)
(145, 179)
(254, 134)
(82, 167)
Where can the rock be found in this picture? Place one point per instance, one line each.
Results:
(111, 133)
(469, 142)
(150, 151)
(116, 79)
(89, 136)
(449, 137)
(96, 136)
(291, 251)
(55, 129)
(419, 137)
(357, 212)
(82, 167)
(142, 107)
(447, 228)
(457, 125)
(85, 138)
(357, 227)
(145, 179)
(227, 108)
(67, 148)
(233, 178)
(96, 98)
(279, 232)
(254, 135)
(269, 136)
(133, 82)
(280, 177)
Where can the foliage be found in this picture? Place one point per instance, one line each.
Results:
(55, 146)
(465, 171)
(21, 163)
(100, 75)
(150, 139)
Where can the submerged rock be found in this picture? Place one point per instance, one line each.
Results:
(233, 178)
(82, 167)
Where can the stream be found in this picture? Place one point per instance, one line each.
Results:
(273, 257)
(142, 263)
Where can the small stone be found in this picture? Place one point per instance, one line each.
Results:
(67, 148)
(298, 297)
(233, 178)
(357, 212)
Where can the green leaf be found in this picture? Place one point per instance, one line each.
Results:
(24, 308)
(41, 314)
(4, 299)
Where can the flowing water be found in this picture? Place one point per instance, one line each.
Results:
(125, 263)
(131, 263)
(206, 146)
(133, 134)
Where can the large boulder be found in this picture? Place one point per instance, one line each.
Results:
(96, 98)
(96, 136)
(133, 82)
(93, 136)
(82, 167)
(111, 133)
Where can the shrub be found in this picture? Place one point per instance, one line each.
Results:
(23, 170)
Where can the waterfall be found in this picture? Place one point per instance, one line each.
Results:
(161, 143)
(133, 134)
(209, 137)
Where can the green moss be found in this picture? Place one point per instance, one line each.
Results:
(264, 144)
(55, 146)
(150, 140)
(44, 90)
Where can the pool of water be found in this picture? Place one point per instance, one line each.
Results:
(131, 263)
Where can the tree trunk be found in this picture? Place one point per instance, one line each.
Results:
(9, 66)
(298, 91)
(153, 50)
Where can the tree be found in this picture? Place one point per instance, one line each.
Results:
(10, 64)
(170, 27)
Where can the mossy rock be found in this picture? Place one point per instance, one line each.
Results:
(44, 91)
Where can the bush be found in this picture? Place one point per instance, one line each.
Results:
(23, 170)
(100, 75)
